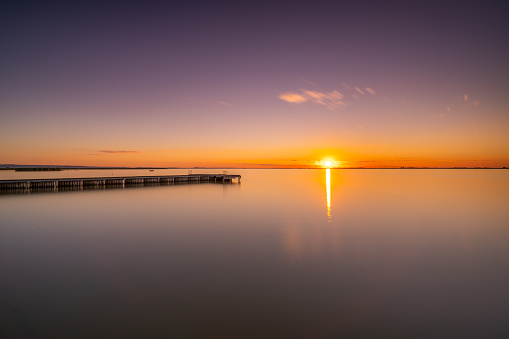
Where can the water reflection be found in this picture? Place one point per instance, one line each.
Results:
(260, 261)
(327, 183)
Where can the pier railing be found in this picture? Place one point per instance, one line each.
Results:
(104, 182)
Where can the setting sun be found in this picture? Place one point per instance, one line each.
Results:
(327, 163)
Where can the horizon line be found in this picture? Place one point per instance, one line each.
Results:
(16, 166)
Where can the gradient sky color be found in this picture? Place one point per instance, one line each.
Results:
(230, 84)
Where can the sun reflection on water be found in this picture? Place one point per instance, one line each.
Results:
(327, 183)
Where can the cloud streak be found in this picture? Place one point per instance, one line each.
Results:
(331, 99)
(292, 97)
(464, 100)
(359, 90)
(224, 103)
(118, 152)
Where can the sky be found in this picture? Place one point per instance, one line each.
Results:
(254, 84)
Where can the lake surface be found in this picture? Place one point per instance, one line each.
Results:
(283, 254)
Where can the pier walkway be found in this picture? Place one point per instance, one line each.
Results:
(82, 183)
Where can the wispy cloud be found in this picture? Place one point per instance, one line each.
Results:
(224, 103)
(214, 102)
(315, 95)
(114, 152)
(462, 102)
(330, 99)
(292, 97)
(309, 82)
(405, 159)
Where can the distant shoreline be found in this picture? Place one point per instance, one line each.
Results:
(34, 168)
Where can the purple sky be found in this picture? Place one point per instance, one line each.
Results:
(425, 80)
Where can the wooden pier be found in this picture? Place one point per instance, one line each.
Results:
(66, 184)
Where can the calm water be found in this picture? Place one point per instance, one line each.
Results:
(284, 254)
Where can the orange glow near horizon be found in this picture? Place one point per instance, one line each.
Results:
(143, 155)
(233, 159)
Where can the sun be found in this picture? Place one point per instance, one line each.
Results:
(329, 163)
